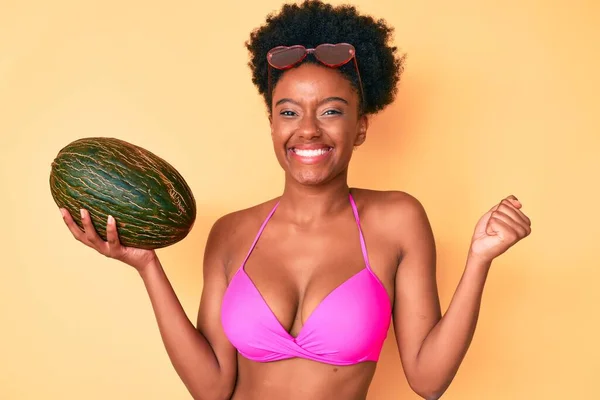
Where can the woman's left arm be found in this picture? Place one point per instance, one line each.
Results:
(432, 347)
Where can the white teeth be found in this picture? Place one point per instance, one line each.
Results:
(311, 153)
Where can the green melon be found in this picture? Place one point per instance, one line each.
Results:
(151, 202)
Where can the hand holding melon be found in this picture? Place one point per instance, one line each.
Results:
(137, 258)
(150, 203)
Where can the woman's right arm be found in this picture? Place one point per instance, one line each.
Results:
(202, 357)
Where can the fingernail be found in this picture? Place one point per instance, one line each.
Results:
(62, 212)
(111, 220)
(82, 212)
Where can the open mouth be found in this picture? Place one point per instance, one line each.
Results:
(311, 152)
(310, 156)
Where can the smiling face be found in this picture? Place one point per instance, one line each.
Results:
(315, 123)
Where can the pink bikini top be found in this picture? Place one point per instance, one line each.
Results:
(349, 326)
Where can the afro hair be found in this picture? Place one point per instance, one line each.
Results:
(312, 23)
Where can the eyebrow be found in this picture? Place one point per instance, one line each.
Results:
(326, 100)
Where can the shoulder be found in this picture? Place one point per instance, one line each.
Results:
(236, 221)
(397, 215)
(231, 230)
(393, 205)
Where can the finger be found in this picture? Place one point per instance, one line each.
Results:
(112, 237)
(514, 203)
(513, 199)
(90, 232)
(75, 230)
(514, 225)
(508, 208)
(502, 229)
(510, 199)
(518, 205)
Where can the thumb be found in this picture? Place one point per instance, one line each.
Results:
(492, 224)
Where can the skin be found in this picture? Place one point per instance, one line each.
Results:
(310, 247)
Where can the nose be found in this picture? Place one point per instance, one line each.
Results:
(309, 127)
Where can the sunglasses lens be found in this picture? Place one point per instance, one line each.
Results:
(286, 56)
(334, 54)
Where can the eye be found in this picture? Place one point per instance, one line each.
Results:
(287, 113)
(332, 112)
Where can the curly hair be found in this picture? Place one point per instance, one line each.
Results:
(314, 22)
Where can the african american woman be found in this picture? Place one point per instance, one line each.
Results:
(300, 291)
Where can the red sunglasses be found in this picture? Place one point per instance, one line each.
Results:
(331, 55)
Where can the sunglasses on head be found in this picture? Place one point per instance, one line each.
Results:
(331, 55)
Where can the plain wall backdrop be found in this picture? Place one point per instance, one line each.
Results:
(497, 98)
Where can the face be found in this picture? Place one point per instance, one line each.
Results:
(315, 123)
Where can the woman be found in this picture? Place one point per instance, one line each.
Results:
(299, 292)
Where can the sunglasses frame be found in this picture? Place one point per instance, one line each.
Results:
(351, 51)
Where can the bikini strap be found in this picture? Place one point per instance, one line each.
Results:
(363, 246)
(260, 231)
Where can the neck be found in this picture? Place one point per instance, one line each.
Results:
(309, 203)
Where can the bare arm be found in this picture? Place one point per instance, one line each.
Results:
(432, 347)
(202, 357)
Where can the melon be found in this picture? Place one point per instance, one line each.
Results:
(153, 205)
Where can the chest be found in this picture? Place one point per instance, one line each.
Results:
(294, 268)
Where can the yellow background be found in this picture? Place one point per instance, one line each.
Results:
(497, 98)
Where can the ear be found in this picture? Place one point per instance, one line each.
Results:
(363, 126)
